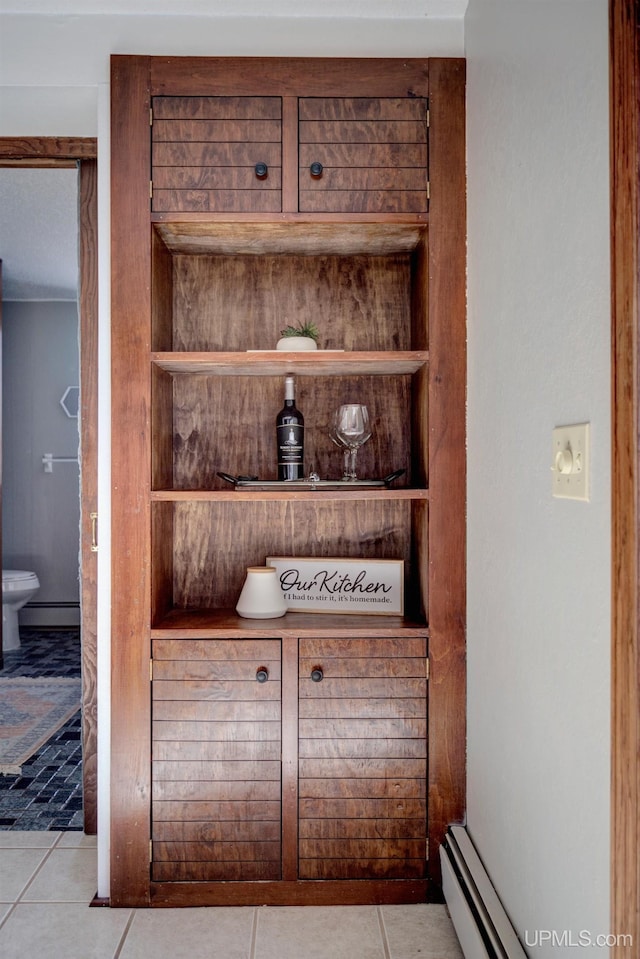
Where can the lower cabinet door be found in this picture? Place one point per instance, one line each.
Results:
(216, 770)
(362, 758)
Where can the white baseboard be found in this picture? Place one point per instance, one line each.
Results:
(481, 923)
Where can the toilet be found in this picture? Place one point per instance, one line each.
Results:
(18, 587)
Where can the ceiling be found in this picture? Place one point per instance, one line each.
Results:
(38, 207)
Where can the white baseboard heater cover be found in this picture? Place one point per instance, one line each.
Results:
(482, 926)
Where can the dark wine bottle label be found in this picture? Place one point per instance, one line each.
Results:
(290, 444)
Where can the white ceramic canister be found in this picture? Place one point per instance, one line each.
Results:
(261, 596)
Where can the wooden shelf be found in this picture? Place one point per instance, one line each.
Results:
(279, 362)
(245, 495)
(301, 234)
(199, 623)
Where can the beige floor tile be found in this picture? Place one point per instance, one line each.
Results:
(318, 932)
(68, 875)
(75, 838)
(420, 932)
(24, 840)
(17, 866)
(62, 931)
(217, 933)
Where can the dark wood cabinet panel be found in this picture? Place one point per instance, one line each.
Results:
(217, 812)
(357, 768)
(365, 155)
(225, 154)
(208, 771)
(216, 154)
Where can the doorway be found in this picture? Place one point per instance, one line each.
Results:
(81, 155)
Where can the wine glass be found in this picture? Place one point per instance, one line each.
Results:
(333, 435)
(352, 429)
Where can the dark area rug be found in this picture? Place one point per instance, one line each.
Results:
(47, 794)
(32, 710)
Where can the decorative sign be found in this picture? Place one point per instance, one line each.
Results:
(341, 585)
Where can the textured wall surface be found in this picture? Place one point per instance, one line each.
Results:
(538, 567)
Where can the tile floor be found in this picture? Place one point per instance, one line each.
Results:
(47, 880)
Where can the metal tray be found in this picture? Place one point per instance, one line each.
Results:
(252, 482)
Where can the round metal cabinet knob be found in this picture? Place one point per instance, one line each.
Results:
(261, 170)
(262, 674)
(316, 169)
(317, 674)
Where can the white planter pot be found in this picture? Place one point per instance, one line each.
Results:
(295, 343)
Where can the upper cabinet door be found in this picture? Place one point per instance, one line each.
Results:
(224, 154)
(363, 155)
(216, 154)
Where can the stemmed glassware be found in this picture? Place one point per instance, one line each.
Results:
(350, 429)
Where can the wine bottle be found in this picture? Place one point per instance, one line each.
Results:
(290, 436)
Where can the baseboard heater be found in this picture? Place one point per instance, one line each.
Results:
(482, 926)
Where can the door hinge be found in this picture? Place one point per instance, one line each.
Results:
(151, 116)
(151, 670)
(427, 114)
(426, 850)
(151, 189)
(94, 532)
(151, 850)
(428, 190)
(426, 668)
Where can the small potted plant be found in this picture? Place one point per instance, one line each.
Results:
(304, 336)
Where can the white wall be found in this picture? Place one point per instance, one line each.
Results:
(538, 567)
(41, 511)
(51, 66)
(54, 73)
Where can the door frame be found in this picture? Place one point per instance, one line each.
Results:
(80, 152)
(624, 39)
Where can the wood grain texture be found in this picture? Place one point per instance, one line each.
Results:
(373, 154)
(202, 623)
(222, 770)
(229, 426)
(346, 892)
(242, 303)
(380, 286)
(315, 363)
(130, 535)
(447, 452)
(296, 235)
(48, 149)
(292, 76)
(354, 767)
(625, 263)
(290, 759)
(206, 578)
(205, 151)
